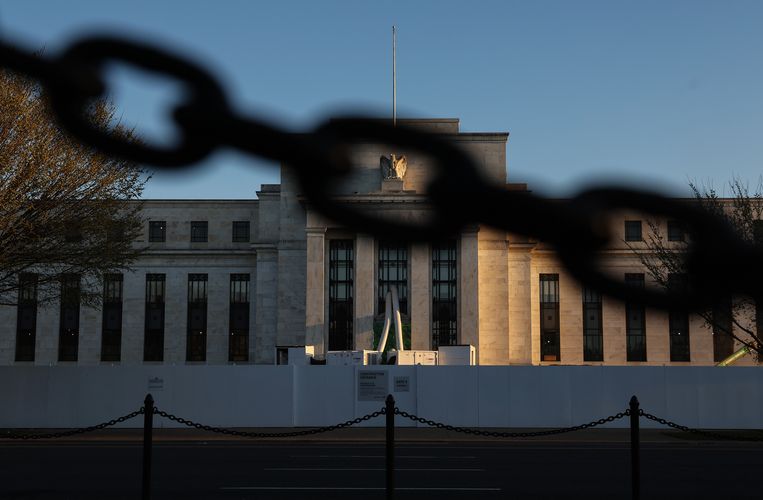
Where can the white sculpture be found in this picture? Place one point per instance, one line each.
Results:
(393, 167)
(392, 308)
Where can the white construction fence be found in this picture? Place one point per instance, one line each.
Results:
(306, 396)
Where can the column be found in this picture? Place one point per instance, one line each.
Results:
(520, 305)
(468, 290)
(315, 328)
(364, 285)
(266, 304)
(420, 297)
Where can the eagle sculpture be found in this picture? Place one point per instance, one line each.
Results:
(393, 167)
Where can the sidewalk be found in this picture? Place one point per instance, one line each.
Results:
(377, 434)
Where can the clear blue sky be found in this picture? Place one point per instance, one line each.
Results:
(657, 92)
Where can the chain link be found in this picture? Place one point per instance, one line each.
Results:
(73, 432)
(699, 432)
(477, 432)
(247, 434)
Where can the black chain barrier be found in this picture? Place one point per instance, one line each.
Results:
(699, 432)
(74, 432)
(719, 262)
(232, 432)
(477, 432)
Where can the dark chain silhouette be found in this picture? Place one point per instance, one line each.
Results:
(72, 432)
(378, 413)
(719, 262)
(248, 434)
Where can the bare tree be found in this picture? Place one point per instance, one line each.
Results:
(738, 318)
(66, 210)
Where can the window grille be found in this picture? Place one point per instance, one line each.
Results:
(196, 345)
(241, 231)
(199, 231)
(26, 320)
(153, 340)
(238, 347)
(549, 317)
(633, 230)
(635, 323)
(444, 289)
(157, 231)
(341, 261)
(111, 338)
(393, 270)
(593, 336)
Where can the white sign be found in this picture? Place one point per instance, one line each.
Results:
(403, 384)
(372, 385)
(156, 384)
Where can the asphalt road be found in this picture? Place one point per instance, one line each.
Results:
(442, 470)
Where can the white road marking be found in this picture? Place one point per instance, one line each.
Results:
(398, 469)
(350, 488)
(424, 457)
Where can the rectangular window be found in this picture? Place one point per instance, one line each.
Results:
(157, 231)
(633, 230)
(676, 231)
(393, 271)
(238, 347)
(635, 322)
(549, 317)
(241, 231)
(153, 340)
(26, 320)
(196, 345)
(341, 262)
(68, 335)
(444, 288)
(593, 337)
(678, 321)
(111, 340)
(723, 341)
(199, 231)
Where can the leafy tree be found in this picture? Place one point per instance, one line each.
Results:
(65, 209)
(739, 318)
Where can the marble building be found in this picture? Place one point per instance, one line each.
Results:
(226, 281)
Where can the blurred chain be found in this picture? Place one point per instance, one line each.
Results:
(699, 432)
(232, 432)
(74, 432)
(497, 434)
(718, 261)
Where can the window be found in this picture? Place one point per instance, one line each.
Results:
(549, 317)
(757, 232)
(444, 287)
(196, 344)
(199, 231)
(241, 231)
(676, 231)
(68, 334)
(26, 320)
(635, 322)
(340, 295)
(633, 230)
(157, 231)
(393, 270)
(723, 341)
(111, 340)
(678, 322)
(153, 340)
(593, 338)
(238, 347)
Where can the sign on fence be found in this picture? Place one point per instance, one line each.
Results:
(372, 385)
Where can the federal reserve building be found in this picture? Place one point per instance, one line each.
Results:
(246, 281)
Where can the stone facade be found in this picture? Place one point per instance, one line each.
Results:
(287, 258)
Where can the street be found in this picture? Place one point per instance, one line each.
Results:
(341, 469)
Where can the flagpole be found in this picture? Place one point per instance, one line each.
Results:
(394, 79)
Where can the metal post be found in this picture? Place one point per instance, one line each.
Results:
(635, 461)
(390, 413)
(148, 426)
